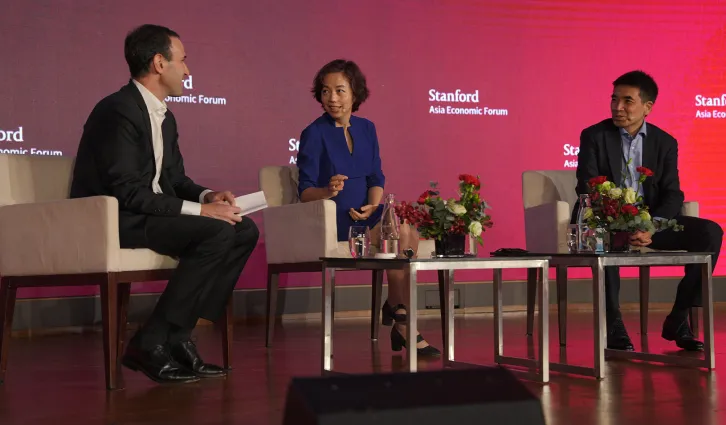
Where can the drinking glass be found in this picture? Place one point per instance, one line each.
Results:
(572, 238)
(359, 241)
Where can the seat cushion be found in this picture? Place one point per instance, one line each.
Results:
(144, 259)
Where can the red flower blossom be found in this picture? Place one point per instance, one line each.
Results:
(415, 216)
(424, 197)
(469, 179)
(459, 227)
(610, 208)
(629, 209)
(597, 180)
(645, 171)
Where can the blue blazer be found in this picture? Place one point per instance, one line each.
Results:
(324, 153)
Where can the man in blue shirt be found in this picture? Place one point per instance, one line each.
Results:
(615, 148)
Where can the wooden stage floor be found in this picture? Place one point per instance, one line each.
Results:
(58, 380)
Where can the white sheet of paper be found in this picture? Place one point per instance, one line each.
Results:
(251, 203)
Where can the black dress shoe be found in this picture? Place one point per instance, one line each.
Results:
(157, 364)
(679, 330)
(185, 353)
(618, 338)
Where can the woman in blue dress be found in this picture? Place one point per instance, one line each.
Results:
(339, 160)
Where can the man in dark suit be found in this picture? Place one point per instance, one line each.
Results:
(129, 150)
(623, 143)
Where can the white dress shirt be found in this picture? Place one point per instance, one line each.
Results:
(157, 114)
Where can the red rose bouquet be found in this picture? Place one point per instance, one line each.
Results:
(435, 217)
(621, 209)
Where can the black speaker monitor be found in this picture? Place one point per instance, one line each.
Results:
(487, 395)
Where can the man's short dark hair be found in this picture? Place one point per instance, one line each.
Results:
(352, 72)
(143, 43)
(642, 81)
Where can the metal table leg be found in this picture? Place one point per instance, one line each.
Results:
(411, 326)
(598, 288)
(544, 337)
(449, 328)
(707, 297)
(498, 325)
(328, 310)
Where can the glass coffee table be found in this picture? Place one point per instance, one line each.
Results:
(597, 262)
(446, 267)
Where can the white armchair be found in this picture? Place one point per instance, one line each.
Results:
(298, 234)
(548, 198)
(50, 240)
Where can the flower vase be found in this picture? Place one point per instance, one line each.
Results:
(450, 245)
(472, 245)
(617, 242)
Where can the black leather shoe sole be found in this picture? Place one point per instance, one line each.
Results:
(217, 371)
(690, 345)
(220, 374)
(685, 344)
(621, 347)
(138, 367)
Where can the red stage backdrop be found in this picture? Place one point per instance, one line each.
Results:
(537, 73)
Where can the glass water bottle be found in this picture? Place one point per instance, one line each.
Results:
(390, 228)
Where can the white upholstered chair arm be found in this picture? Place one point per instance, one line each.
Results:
(690, 209)
(59, 237)
(545, 227)
(301, 232)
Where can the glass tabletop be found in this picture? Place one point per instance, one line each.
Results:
(609, 254)
(437, 259)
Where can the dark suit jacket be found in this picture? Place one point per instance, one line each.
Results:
(116, 158)
(601, 155)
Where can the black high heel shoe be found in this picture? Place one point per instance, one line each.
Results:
(388, 314)
(398, 341)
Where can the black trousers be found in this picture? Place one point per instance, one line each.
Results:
(698, 235)
(212, 254)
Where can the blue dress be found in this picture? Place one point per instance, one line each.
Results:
(324, 153)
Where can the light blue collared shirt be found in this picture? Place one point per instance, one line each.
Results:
(632, 150)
